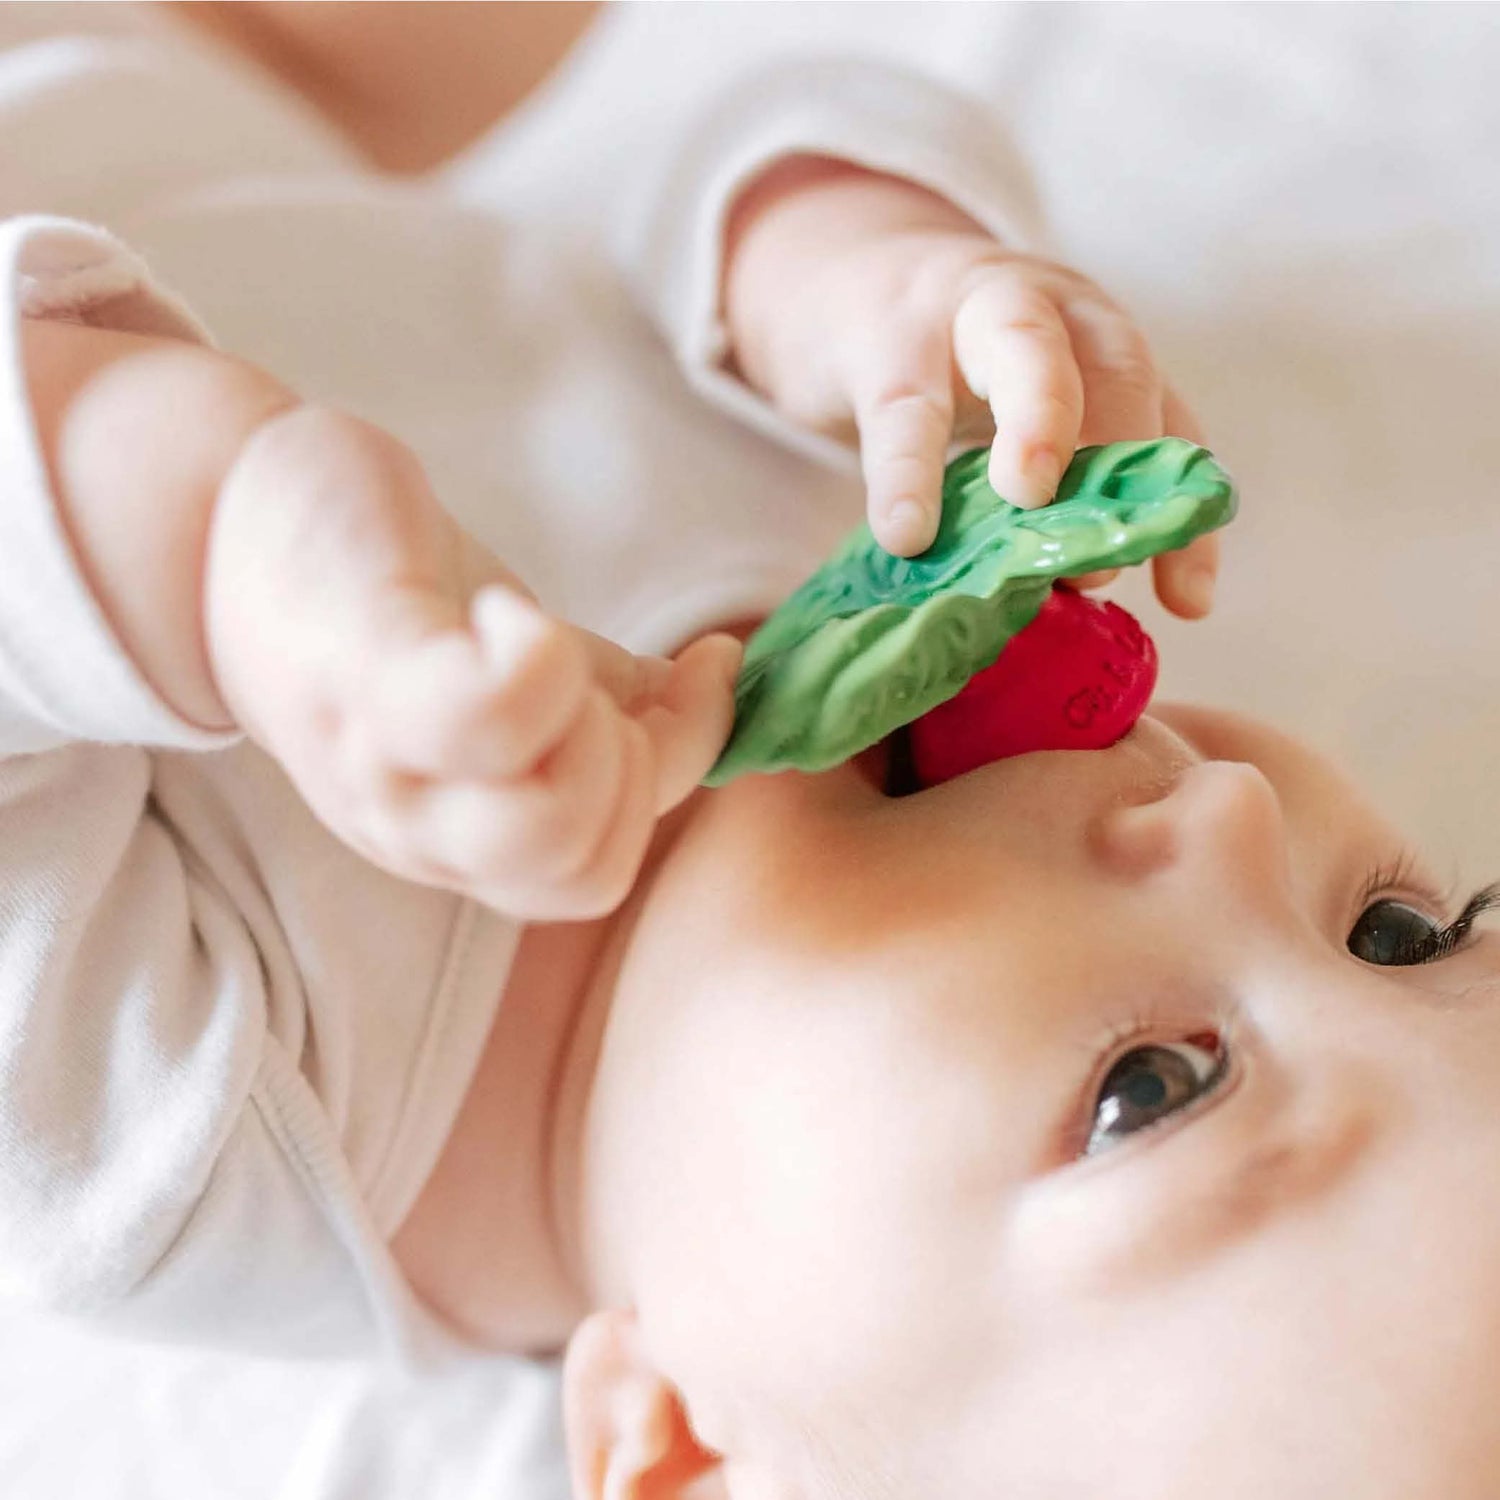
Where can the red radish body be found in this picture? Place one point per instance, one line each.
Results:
(1076, 678)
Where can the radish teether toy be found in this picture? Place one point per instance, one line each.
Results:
(871, 641)
(1076, 678)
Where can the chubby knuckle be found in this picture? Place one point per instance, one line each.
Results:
(1055, 407)
(444, 740)
(999, 288)
(1073, 286)
(571, 847)
(892, 276)
(534, 830)
(910, 398)
(900, 473)
(903, 413)
(1129, 364)
(597, 893)
(447, 825)
(495, 836)
(535, 652)
(1132, 381)
(809, 403)
(1020, 363)
(941, 275)
(559, 836)
(1035, 328)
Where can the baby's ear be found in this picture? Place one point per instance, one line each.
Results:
(628, 1433)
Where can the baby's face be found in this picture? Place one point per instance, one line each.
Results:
(1040, 1134)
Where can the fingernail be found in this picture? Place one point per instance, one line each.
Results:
(907, 527)
(1197, 590)
(1029, 486)
(1044, 468)
(733, 660)
(727, 648)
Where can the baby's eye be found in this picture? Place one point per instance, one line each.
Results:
(1395, 934)
(1150, 1083)
(1391, 933)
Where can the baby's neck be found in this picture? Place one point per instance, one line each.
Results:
(494, 1240)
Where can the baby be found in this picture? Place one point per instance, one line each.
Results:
(1102, 1123)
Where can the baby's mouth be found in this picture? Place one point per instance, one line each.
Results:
(1078, 677)
(887, 765)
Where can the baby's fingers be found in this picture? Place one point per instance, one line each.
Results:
(606, 876)
(1185, 580)
(562, 844)
(691, 717)
(685, 705)
(1013, 350)
(903, 407)
(486, 701)
(545, 825)
(1123, 391)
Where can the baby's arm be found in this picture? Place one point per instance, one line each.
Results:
(286, 569)
(864, 304)
(850, 242)
(164, 1154)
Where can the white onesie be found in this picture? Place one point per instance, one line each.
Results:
(230, 1049)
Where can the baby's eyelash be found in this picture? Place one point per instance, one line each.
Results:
(1448, 938)
(1398, 875)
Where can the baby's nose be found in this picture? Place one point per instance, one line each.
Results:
(1220, 819)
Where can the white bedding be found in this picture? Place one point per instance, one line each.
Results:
(1303, 206)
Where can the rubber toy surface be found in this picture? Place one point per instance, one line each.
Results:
(872, 641)
(1076, 678)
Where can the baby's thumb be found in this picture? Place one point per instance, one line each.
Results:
(691, 716)
(632, 681)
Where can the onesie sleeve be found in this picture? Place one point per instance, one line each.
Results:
(150, 1178)
(63, 675)
(873, 115)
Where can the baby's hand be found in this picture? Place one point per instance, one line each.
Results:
(864, 305)
(431, 714)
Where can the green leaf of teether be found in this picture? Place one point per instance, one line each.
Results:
(872, 641)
